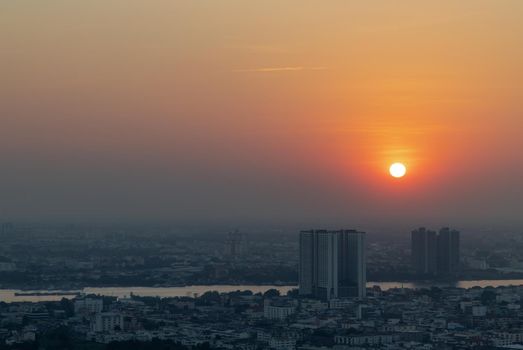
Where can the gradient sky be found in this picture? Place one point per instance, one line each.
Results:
(268, 111)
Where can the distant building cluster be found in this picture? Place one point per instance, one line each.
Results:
(6, 228)
(436, 254)
(332, 264)
(236, 245)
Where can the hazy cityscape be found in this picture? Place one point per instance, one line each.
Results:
(116, 288)
(261, 175)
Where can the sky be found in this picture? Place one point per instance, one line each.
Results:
(274, 112)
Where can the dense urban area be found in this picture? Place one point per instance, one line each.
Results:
(438, 314)
(436, 318)
(72, 257)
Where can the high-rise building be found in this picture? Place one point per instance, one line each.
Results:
(448, 251)
(6, 228)
(424, 251)
(306, 268)
(435, 254)
(332, 264)
(235, 245)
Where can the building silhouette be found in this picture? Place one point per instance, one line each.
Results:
(424, 251)
(435, 254)
(6, 228)
(332, 264)
(235, 245)
(448, 251)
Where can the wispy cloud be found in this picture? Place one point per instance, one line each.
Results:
(280, 69)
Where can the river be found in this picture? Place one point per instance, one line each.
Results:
(8, 295)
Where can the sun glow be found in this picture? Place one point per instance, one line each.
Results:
(397, 170)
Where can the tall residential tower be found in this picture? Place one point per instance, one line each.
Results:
(424, 251)
(448, 251)
(332, 264)
(435, 254)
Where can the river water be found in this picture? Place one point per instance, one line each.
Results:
(8, 295)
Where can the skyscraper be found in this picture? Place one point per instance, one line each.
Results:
(306, 274)
(332, 264)
(435, 254)
(424, 251)
(448, 251)
(235, 245)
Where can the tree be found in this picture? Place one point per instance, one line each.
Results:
(488, 297)
(57, 339)
(210, 297)
(271, 293)
(68, 306)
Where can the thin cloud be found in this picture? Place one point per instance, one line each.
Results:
(279, 69)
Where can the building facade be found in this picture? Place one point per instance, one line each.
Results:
(277, 311)
(448, 251)
(88, 305)
(332, 264)
(424, 251)
(435, 254)
(107, 322)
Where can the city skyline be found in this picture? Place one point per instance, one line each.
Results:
(261, 175)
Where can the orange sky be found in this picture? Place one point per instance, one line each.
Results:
(271, 110)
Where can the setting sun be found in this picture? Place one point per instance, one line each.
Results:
(397, 170)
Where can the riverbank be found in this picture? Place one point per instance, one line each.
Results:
(79, 285)
(14, 295)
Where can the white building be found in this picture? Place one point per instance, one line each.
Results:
(278, 343)
(88, 306)
(479, 311)
(506, 338)
(507, 298)
(107, 322)
(371, 339)
(277, 312)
